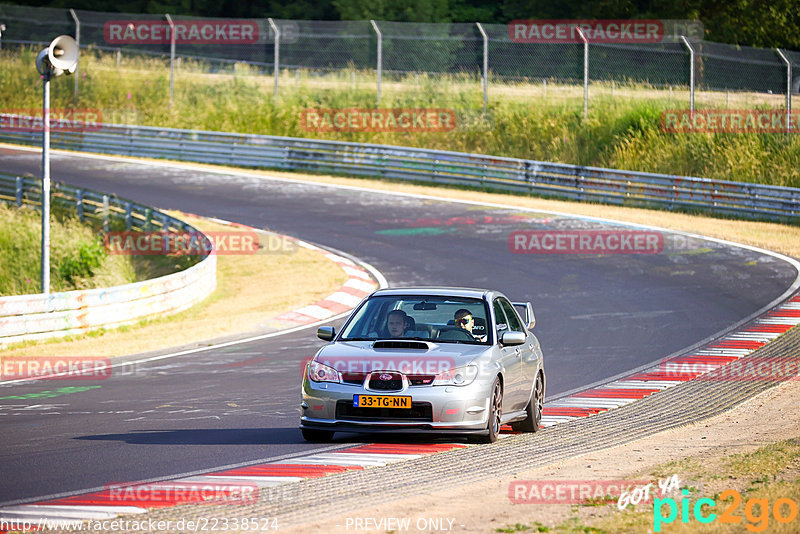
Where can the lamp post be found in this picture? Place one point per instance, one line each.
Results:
(60, 57)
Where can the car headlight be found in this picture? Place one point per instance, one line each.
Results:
(460, 376)
(319, 372)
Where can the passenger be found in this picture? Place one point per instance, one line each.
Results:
(464, 319)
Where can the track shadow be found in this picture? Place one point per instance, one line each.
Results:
(204, 436)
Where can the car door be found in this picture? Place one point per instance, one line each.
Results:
(528, 356)
(514, 398)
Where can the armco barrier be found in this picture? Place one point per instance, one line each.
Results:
(39, 316)
(537, 177)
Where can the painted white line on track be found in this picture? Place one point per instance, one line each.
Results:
(260, 481)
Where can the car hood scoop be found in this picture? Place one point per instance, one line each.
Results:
(400, 344)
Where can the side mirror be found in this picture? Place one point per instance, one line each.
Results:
(326, 333)
(528, 317)
(509, 339)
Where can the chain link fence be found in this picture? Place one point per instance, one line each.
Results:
(485, 53)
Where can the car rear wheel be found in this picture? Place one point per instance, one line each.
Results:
(495, 414)
(534, 409)
(316, 436)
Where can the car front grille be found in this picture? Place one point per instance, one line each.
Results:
(357, 379)
(394, 383)
(419, 411)
(421, 380)
(354, 378)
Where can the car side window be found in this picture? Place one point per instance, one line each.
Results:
(511, 316)
(500, 317)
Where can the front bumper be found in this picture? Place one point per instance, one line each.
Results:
(453, 409)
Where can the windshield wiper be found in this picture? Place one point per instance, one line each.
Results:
(358, 339)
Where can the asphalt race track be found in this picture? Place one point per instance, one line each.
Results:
(597, 316)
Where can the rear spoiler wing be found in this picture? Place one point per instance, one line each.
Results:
(527, 316)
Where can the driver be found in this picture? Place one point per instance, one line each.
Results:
(396, 323)
(400, 324)
(465, 320)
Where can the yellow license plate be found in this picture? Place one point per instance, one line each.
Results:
(380, 401)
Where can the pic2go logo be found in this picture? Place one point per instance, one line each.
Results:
(756, 511)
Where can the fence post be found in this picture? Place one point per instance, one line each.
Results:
(485, 65)
(788, 89)
(45, 263)
(380, 56)
(2, 29)
(691, 74)
(18, 191)
(78, 43)
(171, 57)
(276, 61)
(585, 72)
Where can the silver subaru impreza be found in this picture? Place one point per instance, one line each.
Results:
(427, 360)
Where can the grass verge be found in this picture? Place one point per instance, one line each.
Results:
(250, 290)
(78, 259)
(747, 489)
(526, 120)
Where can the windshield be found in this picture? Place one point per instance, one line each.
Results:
(434, 318)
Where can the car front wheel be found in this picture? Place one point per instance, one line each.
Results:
(533, 421)
(495, 414)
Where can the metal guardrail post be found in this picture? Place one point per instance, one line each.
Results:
(691, 74)
(78, 42)
(18, 191)
(485, 65)
(277, 63)
(128, 216)
(395, 162)
(585, 72)
(105, 213)
(2, 29)
(788, 89)
(380, 56)
(79, 204)
(171, 57)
